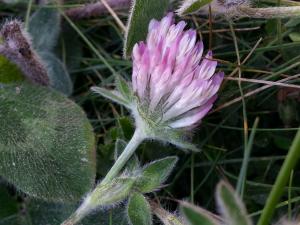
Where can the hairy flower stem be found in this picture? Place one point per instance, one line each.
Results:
(269, 12)
(88, 204)
(135, 141)
(281, 181)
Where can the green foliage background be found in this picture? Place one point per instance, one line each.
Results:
(220, 135)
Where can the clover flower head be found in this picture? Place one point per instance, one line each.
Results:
(173, 85)
(170, 78)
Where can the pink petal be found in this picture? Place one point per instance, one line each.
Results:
(207, 67)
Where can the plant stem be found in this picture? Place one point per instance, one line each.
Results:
(86, 207)
(269, 12)
(29, 6)
(135, 141)
(281, 181)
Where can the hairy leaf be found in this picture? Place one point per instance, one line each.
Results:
(192, 6)
(46, 143)
(141, 14)
(231, 206)
(110, 193)
(175, 137)
(155, 173)
(58, 74)
(124, 88)
(44, 28)
(111, 95)
(195, 215)
(138, 210)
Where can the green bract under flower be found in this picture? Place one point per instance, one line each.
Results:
(147, 124)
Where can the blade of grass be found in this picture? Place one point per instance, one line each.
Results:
(245, 119)
(279, 205)
(250, 93)
(257, 81)
(257, 184)
(243, 172)
(281, 180)
(29, 7)
(290, 196)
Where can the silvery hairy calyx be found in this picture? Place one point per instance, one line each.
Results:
(174, 85)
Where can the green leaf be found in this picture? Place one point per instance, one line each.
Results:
(231, 206)
(70, 47)
(111, 95)
(155, 173)
(126, 127)
(59, 77)
(46, 143)
(111, 193)
(295, 36)
(141, 14)
(41, 212)
(192, 6)
(175, 137)
(138, 210)
(9, 72)
(124, 88)
(44, 28)
(293, 22)
(195, 215)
